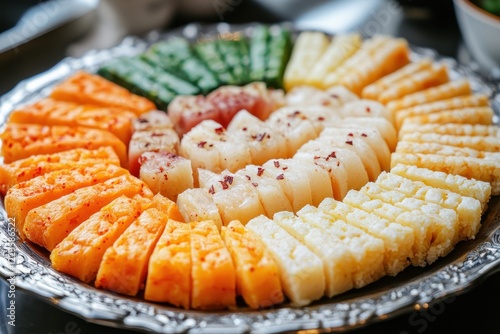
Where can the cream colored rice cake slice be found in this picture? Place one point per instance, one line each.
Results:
(398, 239)
(305, 96)
(271, 195)
(452, 129)
(337, 259)
(480, 143)
(435, 75)
(467, 208)
(327, 160)
(472, 168)
(423, 228)
(459, 102)
(320, 116)
(367, 251)
(433, 148)
(293, 181)
(479, 190)
(442, 223)
(319, 180)
(197, 204)
(370, 136)
(373, 90)
(386, 128)
(358, 146)
(442, 92)
(366, 108)
(342, 94)
(476, 115)
(301, 271)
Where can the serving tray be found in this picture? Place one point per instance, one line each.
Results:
(413, 289)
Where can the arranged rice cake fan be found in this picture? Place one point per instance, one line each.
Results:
(459, 102)
(371, 136)
(87, 88)
(49, 224)
(301, 271)
(466, 187)
(357, 257)
(357, 145)
(257, 275)
(36, 165)
(386, 128)
(21, 141)
(444, 91)
(24, 196)
(263, 141)
(81, 252)
(234, 197)
(123, 268)
(166, 173)
(451, 129)
(444, 222)
(467, 208)
(169, 267)
(213, 275)
(295, 127)
(197, 204)
(398, 239)
(52, 112)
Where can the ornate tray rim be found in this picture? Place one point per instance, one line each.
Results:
(470, 263)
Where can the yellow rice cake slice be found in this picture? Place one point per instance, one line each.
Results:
(476, 115)
(480, 143)
(169, 267)
(452, 129)
(81, 252)
(398, 239)
(434, 148)
(301, 271)
(257, 275)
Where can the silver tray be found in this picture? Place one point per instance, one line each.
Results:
(413, 289)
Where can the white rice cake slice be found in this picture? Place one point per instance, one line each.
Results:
(476, 115)
(337, 260)
(366, 108)
(370, 136)
(480, 143)
(472, 168)
(320, 116)
(358, 146)
(398, 239)
(263, 142)
(293, 181)
(467, 208)
(459, 102)
(319, 180)
(342, 94)
(423, 228)
(479, 190)
(386, 128)
(452, 129)
(305, 96)
(196, 205)
(271, 195)
(367, 251)
(301, 271)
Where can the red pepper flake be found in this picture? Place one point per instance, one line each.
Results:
(248, 177)
(212, 189)
(244, 129)
(338, 163)
(316, 157)
(349, 142)
(294, 114)
(268, 136)
(351, 135)
(165, 176)
(321, 118)
(219, 130)
(255, 184)
(228, 179)
(261, 136)
(364, 135)
(335, 96)
(284, 168)
(368, 109)
(332, 155)
(224, 185)
(157, 134)
(276, 163)
(280, 177)
(260, 170)
(202, 144)
(211, 145)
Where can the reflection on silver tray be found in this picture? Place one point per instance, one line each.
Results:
(413, 288)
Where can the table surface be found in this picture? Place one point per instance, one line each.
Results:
(474, 310)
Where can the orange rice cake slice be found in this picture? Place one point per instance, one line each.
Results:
(467, 208)
(36, 165)
(169, 267)
(20, 141)
(123, 268)
(301, 271)
(472, 168)
(257, 275)
(52, 112)
(398, 239)
(357, 255)
(81, 252)
(479, 190)
(86, 88)
(213, 275)
(49, 224)
(24, 196)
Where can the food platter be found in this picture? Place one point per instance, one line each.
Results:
(414, 288)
